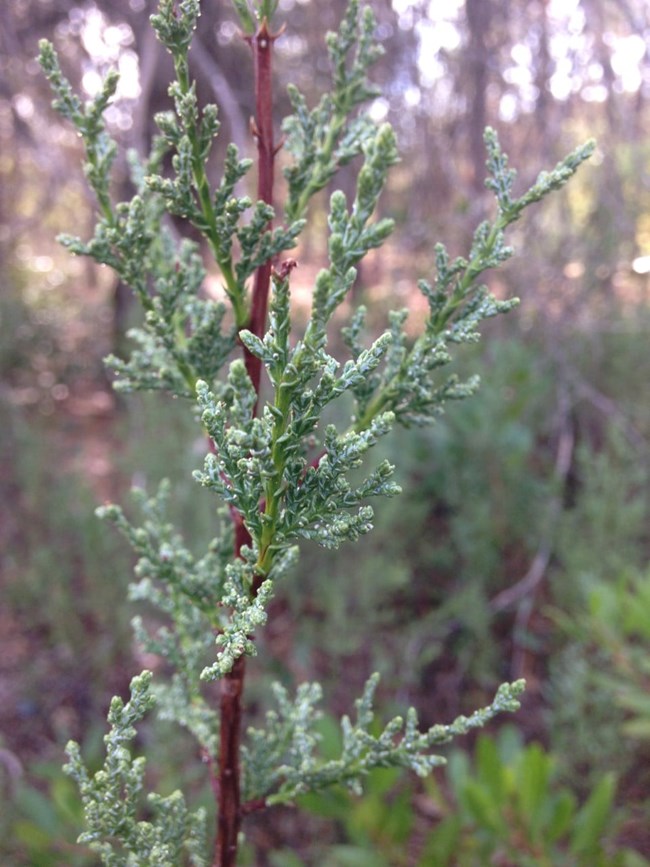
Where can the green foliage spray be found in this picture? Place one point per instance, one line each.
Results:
(280, 475)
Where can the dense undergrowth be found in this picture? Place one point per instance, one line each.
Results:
(549, 466)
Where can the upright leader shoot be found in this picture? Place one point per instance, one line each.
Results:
(260, 387)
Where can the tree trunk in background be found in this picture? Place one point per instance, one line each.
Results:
(478, 14)
(543, 69)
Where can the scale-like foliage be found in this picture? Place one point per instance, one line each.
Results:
(112, 796)
(280, 474)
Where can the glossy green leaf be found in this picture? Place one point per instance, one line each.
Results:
(533, 777)
(593, 818)
(561, 816)
(490, 768)
(482, 808)
(442, 843)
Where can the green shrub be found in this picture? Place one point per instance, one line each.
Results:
(509, 809)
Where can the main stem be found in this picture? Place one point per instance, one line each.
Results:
(262, 45)
(232, 686)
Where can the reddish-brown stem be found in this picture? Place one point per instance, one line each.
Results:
(230, 810)
(229, 818)
(262, 46)
(227, 787)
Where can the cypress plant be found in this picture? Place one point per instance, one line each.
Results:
(258, 387)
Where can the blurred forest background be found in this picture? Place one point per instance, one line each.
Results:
(520, 546)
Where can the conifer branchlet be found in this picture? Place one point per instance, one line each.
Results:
(280, 475)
